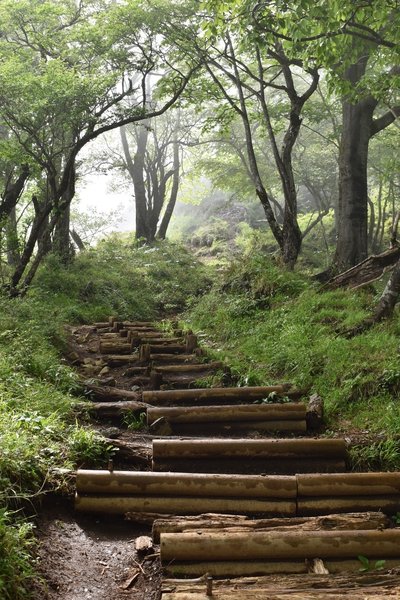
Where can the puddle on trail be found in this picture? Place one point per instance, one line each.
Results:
(91, 557)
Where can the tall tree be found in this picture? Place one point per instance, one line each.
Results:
(152, 160)
(67, 70)
(358, 43)
(252, 76)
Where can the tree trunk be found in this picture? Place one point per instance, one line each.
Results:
(37, 232)
(13, 249)
(76, 238)
(61, 243)
(352, 233)
(13, 191)
(389, 296)
(162, 230)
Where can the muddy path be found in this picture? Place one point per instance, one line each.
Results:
(93, 557)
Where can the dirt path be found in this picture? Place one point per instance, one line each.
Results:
(86, 557)
(91, 558)
(95, 557)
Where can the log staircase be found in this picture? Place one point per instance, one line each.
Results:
(245, 498)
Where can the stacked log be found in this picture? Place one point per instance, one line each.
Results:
(241, 523)
(354, 586)
(285, 456)
(288, 417)
(190, 368)
(117, 346)
(137, 324)
(204, 396)
(108, 394)
(172, 359)
(113, 410)
(119, 492)
(259, 552)
(118, 360)
(348, 492)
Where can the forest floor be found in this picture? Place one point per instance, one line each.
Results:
(92, 557)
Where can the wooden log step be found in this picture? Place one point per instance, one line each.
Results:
(116, 360)
(113, 410)
(244, 412)
(132, 371)
(249, 456)
(320, 506)
(101, 324)
(144, 330)
(348, 484)
(134, 324)
(231, 428)
(115, 347)
(276, 545)
(184, 484)
(136, 452)
(281, 448)
(115, 504)
(108, 394)
(167, 348)
(350, 521)
(157, 341)
(191, 368)
(172, 359)
(197, 396)
(109, 336)
(304, 587)
(253, 465)
(268, 567)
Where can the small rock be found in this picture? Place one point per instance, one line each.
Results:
(143, 544)
(111, 432)
(104, 371)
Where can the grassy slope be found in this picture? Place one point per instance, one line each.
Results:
(274, 326)
(37, 420)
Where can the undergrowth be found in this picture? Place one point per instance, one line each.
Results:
(274, 326)
(38, 391)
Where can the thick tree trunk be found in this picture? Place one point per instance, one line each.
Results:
(61, 243)
(358, 128)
